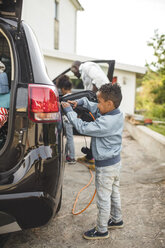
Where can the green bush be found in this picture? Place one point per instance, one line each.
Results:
(158, 111)
(150, 96)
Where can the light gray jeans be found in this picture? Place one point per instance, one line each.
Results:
(69, 147)
(107, 183)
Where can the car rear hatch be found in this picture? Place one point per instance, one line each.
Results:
(11, 9)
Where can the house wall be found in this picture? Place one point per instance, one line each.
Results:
(127, 81)
(57, 61)
(42, 23)
(34, 14)
(68, 24)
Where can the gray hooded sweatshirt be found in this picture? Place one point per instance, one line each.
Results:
(106, 132)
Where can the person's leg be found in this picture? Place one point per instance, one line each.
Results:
(66, 149)
(89, 155)
(103, 192)
(66, 144)
(116, 214)
(70, 141)
(104, 182)
(115, 220)
(88, 158)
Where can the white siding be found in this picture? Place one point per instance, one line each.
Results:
(127, 81)
(56, 66)
(39, 14)
(68, 22)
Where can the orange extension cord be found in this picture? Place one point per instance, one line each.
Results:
(74, 206)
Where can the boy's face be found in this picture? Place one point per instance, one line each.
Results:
(104, 106)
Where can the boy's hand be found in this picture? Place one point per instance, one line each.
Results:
(65, 104)
(73, 103)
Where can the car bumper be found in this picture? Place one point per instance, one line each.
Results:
(25, 210)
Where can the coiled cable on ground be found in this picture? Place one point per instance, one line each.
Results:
(74, 206)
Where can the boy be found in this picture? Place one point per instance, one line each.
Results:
(65, 85)
(93, 78)
(106, 132)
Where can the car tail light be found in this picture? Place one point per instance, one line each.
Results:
(43, 103)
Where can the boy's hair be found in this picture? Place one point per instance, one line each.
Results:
(111, 92)
(64, 82)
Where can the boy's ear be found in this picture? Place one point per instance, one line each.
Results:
(111, 103)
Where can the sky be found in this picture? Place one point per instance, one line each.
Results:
(119, 29)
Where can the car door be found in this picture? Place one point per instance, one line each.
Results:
(10, 15)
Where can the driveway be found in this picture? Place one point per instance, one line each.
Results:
(143, 205)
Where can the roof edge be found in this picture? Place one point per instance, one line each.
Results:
(72, 57)
(77, 5)
(132, 68)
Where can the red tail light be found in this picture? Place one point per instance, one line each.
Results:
(43, 103)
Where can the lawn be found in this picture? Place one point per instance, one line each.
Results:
(158, 128)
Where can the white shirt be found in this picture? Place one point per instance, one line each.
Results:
(91, 73)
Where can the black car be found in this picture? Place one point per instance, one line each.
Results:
(31, 141)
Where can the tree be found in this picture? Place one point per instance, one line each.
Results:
(152, 94)
(159, 93)
(151, 97)
(158, 44)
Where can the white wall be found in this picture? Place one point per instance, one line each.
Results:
(68, 23)
(127, 81)
(39, 14)
(56, 66)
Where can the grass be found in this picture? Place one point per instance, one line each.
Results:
(157, 128)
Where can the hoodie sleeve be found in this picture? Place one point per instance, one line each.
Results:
(99, 128)
(91, 106)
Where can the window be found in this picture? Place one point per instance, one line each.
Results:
(56, 10)
(56, 24)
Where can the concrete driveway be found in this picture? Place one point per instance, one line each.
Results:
(143, 205)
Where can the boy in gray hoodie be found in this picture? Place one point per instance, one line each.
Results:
(106, 133)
